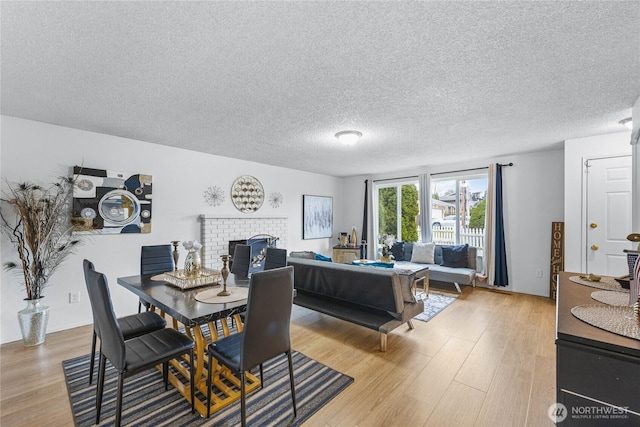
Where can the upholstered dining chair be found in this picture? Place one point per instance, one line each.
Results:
(240, 261)
(131, 326)
(275, 258)
(155, 259)
(266, 333)
(135, 355)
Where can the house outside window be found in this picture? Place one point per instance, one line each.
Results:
(397, 208)
(458, 209)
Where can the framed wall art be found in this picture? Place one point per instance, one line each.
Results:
(317, 217)
(110, 202)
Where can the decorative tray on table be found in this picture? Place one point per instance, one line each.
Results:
(180, 280)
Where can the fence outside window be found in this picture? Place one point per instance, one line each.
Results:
(447, 236)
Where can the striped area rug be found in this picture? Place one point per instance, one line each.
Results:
(146, 403)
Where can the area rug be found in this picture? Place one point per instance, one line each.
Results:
(146, 403)
(434, 305)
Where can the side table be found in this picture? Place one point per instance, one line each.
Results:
(346, 254)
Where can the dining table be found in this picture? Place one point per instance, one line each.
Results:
(192, 316)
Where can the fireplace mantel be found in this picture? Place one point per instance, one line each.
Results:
(217, 230)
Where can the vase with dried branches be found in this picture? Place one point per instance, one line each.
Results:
(36, 220)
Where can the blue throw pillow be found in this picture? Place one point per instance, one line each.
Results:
(397, 250)
(323, 258)
(455, 256)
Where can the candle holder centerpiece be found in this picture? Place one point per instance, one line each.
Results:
(225, 273)
(176, 255)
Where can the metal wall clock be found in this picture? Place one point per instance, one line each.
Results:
(247, 194)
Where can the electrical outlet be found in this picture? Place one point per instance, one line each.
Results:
(74, 297)
(538, 273)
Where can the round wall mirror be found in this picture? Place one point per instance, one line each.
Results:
(119, 207)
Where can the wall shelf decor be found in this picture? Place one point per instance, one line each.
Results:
(247, 194)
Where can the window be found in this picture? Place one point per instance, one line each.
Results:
(398, 207)
(458, 209)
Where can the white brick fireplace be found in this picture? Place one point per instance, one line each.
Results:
(217, 231)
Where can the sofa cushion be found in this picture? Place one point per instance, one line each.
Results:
(462, 276)
(397, 250)
(423, 253)
(408, 251)
(303, 254)
(455, 256)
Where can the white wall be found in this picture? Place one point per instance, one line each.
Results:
(636, 169)
(40, 152)
(576, 152)
(533, 195)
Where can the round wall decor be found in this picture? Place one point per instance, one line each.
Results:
(247, 194)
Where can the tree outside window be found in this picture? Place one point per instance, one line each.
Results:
(398, 210)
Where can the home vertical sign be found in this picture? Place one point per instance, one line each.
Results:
(557, 255)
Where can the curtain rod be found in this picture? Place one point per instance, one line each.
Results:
(393, 179)
(442, 173)
(461, 170)
(472, 169)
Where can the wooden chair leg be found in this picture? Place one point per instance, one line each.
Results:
(410, 323)
(209, 386)
(93, 356)
(291, 382)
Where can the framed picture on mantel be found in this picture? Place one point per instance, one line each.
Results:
(317, 217)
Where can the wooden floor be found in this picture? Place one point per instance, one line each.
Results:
(486, 360)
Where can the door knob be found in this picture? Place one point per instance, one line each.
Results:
(593, 225)
(595, 247)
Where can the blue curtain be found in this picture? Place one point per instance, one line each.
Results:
(365, 221)
(502, 278)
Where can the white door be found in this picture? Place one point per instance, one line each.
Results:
(608, 219)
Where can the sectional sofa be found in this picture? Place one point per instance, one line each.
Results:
(372, 297)
(455, 265)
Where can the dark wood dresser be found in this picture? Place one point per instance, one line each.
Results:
(598, 372)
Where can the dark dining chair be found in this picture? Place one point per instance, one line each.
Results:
(275, 258)
(135, 355)
(266, 333)
(240, 261)
(131, 326)
(155, 259)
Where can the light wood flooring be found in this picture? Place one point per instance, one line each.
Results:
(486, 360)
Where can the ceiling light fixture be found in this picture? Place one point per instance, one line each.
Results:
(628, 122)
(348, 137)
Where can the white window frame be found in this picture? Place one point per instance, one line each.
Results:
(398, 183)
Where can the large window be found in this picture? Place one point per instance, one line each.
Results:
(458, 209)
(397, 209)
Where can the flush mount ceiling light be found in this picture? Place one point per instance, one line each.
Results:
(348, 137)
(628, 123)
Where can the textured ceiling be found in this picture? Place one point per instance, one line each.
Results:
(425, 82)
